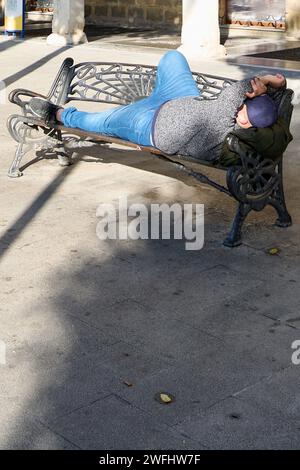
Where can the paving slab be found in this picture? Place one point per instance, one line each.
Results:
(200, 383)
(278, 393)
(232, 424)
(20, 431)
(113, 423)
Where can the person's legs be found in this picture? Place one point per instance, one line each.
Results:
(174, 78)
(133, 122)
(93, 122)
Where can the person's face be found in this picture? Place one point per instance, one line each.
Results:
(242, 118)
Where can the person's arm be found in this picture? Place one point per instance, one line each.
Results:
(249, 88)
(233, 96)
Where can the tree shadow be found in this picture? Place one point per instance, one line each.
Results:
(107, 316)
(115, 322)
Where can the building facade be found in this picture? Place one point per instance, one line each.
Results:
(234, 15)
(168, 13)
(254, 13)
(43, 6)
(135, 12)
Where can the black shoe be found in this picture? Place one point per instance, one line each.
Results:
(43, 109)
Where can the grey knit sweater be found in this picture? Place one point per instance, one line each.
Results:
(189, 126)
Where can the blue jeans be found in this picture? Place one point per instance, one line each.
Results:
(134, 121)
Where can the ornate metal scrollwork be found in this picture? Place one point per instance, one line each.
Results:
(210, 87)
(277, 200)
(113, 83)
(30, 136)
(254, 180)
(26, 132)
(125, 83)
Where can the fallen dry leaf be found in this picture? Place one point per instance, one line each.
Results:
(164, 398)
(127, 383)
(274, 251)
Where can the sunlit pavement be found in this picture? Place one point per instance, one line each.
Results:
(94, 330)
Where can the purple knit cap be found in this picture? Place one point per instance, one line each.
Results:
(262, 111)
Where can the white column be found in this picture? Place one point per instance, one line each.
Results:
(200, 29)
(293, 19)
(68, 23)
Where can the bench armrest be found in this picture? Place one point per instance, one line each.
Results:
(15, 97)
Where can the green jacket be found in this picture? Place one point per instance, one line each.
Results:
(269, 142)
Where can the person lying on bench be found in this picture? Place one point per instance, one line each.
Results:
(173, 118)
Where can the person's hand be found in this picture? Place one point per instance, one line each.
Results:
(278, 80)
(259, 88)
(275, 81)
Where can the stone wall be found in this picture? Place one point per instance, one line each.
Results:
(158, 13)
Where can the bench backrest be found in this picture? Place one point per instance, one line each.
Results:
(107, 82)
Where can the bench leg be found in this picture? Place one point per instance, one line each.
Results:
(22, 149)
(234, 237)
(62, 155)
(31, 137)
(21, 133)
(14, 169)
(277, 200)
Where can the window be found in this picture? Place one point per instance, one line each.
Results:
(44, 6)
(268, 13)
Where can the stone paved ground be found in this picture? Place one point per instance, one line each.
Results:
(80, 317)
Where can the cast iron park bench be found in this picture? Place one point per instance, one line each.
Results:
(254, 182)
